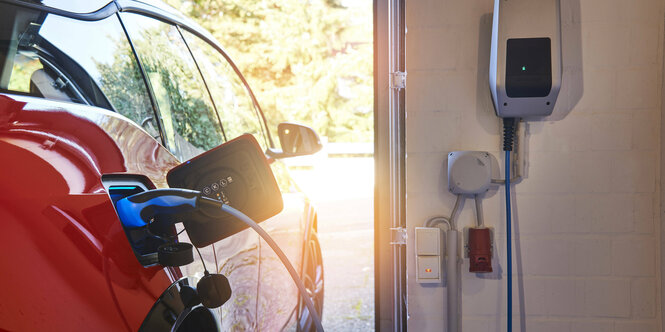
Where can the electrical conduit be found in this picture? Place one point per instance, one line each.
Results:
(453, 282)
(452, 269)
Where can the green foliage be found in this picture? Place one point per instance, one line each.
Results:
(307, 61)
(122, 83)
(187, 114)
(232, 101)
(190, 110)
(21, 73)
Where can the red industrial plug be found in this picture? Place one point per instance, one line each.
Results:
(480, 250)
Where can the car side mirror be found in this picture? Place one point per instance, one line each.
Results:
(296, 140)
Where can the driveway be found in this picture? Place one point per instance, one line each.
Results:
(342, 190)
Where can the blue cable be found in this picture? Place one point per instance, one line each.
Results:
(509, 259)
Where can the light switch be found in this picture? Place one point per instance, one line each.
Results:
(428, 255)
(428, 241)
(429, 269)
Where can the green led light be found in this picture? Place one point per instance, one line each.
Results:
(523, 68)
(123, 188)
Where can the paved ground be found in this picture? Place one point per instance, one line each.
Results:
(342, 189)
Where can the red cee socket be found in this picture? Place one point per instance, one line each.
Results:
(480, 250)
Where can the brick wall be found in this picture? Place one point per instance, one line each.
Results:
(587, 213)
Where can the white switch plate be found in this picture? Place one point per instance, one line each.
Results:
(429, 269)
(428, 255)
(428, 241)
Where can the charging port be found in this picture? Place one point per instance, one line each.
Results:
(144, 241)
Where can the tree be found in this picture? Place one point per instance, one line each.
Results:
(307, 62)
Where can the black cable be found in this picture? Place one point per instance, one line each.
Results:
(205, 270)
(214, 252)
(166, 237)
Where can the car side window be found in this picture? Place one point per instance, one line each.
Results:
(234, 105)
(102, 50)
(59, 58)
(189, 123)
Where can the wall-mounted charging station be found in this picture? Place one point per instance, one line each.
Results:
(525, 60)
(525, 80)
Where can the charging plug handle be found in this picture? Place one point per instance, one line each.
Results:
(137, 210)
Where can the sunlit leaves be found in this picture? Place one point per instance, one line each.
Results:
(307, 61)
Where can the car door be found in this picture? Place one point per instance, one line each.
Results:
(277, 296)
(74, 257)
(190, 125)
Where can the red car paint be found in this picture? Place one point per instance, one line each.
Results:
(64, 245)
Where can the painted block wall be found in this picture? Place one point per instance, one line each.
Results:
(587, 213)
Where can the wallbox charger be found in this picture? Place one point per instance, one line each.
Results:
(525, 60)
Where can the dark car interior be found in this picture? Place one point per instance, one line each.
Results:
(32, 66)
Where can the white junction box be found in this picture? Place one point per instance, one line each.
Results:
(428, 255)
(469, 172)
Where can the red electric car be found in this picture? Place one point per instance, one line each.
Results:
(99, 100)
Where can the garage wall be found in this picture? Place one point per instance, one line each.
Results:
(587, 213)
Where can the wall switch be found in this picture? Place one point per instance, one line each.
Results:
(428, 255)
(428, 241)
(429, 268)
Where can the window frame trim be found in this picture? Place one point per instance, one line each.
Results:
(100, 14)
(205, 83)
(153, 102)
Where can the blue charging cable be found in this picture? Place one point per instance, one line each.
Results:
(508, 136)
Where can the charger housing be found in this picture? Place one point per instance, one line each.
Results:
(525, 59)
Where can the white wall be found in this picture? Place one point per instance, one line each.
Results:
(587, 212)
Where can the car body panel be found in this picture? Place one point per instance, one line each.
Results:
(56, 147)
(63, 223)
(278, 295)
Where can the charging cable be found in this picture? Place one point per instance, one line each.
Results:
(285, 260)
(508, 132)
(137, 210)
